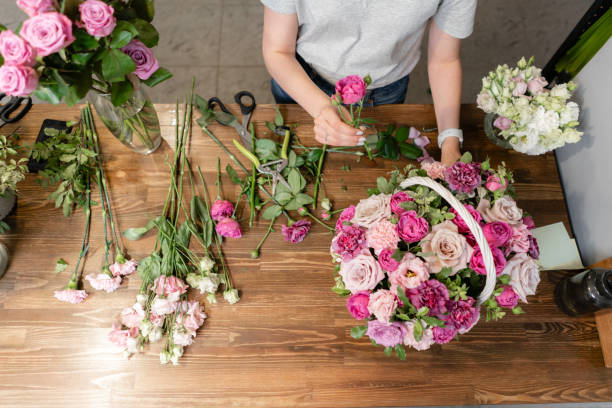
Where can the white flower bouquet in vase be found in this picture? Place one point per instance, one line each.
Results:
(522, 114)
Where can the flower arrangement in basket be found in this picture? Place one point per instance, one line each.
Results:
(524, 115)
(428, 247)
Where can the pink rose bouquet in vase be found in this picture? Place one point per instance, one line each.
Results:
(67, 48)
(428, 249)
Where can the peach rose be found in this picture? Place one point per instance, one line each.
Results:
(524, 274)
(504, 209)
(372, 210)
(449, 248)
(362, 272)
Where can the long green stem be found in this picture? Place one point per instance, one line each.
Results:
(320, 222)
(222, 146)
(318, 178)
(265, 237)
(85, 243)
(218, 183)
(253, 179)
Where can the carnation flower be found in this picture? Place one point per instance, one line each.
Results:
(349, 242)
(71, 295)
(507, 298)
(432, 294)
(397, 199)
(132, 316)
(519, 242)
(346, 216)
(161, 306)
(443, 335)
(410, 273)
(426, 341)
(170, 287)
(125, 268)
(382, 304)
(104, 281)
(361, 273)
(372, 209)
(382, 235)
(387, 335)
(444, 247)
(434, 169)
(357, 305)
(462, 315)
(528, 221)
(463, 177)
(524, 274)
(477, 262)
(221, 209)
(120, 337)
(386, 261)
(412, 228)
(296, 232)
(460, 222)
(229, 228)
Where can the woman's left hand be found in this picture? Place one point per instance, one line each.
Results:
(450, 151)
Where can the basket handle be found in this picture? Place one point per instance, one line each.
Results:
(474, 227)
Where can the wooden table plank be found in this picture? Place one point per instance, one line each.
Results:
(287, 342)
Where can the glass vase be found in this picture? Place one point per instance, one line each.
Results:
(493, 133)
(135, 123)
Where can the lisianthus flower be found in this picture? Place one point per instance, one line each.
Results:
(508, 298)
(427, 339)
(357, 305)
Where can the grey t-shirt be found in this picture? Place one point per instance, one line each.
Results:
(381, 38)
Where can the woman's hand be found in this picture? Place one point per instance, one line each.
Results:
(330, 129)
(450, 151)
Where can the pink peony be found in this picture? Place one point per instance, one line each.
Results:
(520, 86)
(387, 335)
(528, 221)
(296, 232)
(397, 199)
(346, 216)
(497, 233)
(361, 273)
(477, 263)
(122, 269)
(412, 228)
(15, 50)
(508, 298)
(169, 286)
(221, 209)
(427, 339)
(463, 177)
(536, 85)
(534, 249)
(502, 123)
(71, 295)
(445, 247)
(161, 306)
(386, 261)
(462, 315)
(229, 228)
(357, 305)
(352, 89)
(460, 222)
(17, 80)
(435, 169)
(443, 335)
(432, 294)
(146, 63)
(97, 18)
(120, 337)
(382, 304)
(34, 7)
(493, 183)
(103, 281)
(349, 242)
(410, 273)
(519, 242)
(132, 316)
(48, 32)
(382, 235)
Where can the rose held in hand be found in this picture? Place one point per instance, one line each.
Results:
(146, 63)
(352, 89)
(48, 32)
(97, 18)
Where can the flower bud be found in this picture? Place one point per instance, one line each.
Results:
(164, 357)
(326, 204)
(211, 298)
(325, 215)
(302, 211)
(254, 254)
(231, 296)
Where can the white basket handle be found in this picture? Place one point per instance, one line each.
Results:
(474, 227)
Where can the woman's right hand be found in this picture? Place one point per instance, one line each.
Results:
(330, 129)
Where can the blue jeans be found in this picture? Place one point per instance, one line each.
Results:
(393, 93)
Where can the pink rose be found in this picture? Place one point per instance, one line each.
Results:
(15, 50)
(132, 316)
(508, 298)
(296, 232)
(410, 273)
(477, 263)
(443, 335)
(462, 315)
(349, 242)
(70, 295)
(123, 269)
(432, 294)
(435, 170)
(524, 274)
(502, 123)
(412, 228)
(397, 199)
(536, 85)
(229, 228)
(97, 17)
(427, 339)
(352, 89)
(17, 80)
(361, 273)
(382, 304)
(103, 281)
(48, 32)
(169, 286)
(382, 235)
(528, 221)
(449, 249)
(346, 216)
(221, 209)
(385, 258)
(497, 233)
(504, 209)
(494, 183)
(357, 305)
(34, 7)
(146, 63)
(519, 242)
(460, 222)
(387, 335)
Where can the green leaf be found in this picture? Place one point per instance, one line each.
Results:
(292, 159)
(410, 151)
(60, 266)
(433, 322)
(84, 41)
(121, 92)
(278, 119)
(296, 181)
(402, 133)
(303, 199)
(504, 279)
(466, 158)
(384, 186)
(134, 234)
(418, 330)
(159, 76)
(517, 310)
(232, 174)
(149, 268)
(444, 273)
(292, 205)
(2, 28)
(266, 150)
(358, 331)
(283, 197)
(146, 32)
(123, 33)
(422, 311)
(388, 351)
(116, 65)
(402, 296)
(400, 352)
(82, 58)
(272, 212)
(403, 316)
(50, 93)
(144, 9)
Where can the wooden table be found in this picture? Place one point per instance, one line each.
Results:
(287, 343)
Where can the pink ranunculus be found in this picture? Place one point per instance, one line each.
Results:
(508, 298)
(146, 63)
(410, 273)
(70, 295)
(435, 169)
(382, 235)
(229, 228)
(502, 123)
(432, 294)
(427, 339)
(351, 88)
(296, 232)
(477, 263)
(162, 306)
(493, 183)
(528, 221)
(103, 281)
(520, 87)
(346, 216)
(519, 242)
(349, 242)
(497, 233)
(357, 305)
(536, 85)
(48, 32)
(169, 286)
(460, 222)
(412, 228)
(445, 247)
(97, 18)
(17, 80)
(35, 7)
(221, 209)
(122, 269)
(386, 261)
(463, 177)
(15, 50)
(524, 274)
(443, 335)
(462, 314)
(534, 248)
(387, 335)
(361, 273)
(382, 304)
(132, 316)
(397, 199)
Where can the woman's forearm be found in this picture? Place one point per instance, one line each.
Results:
(445, 83)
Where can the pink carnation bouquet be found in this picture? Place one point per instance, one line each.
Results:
(411, 267)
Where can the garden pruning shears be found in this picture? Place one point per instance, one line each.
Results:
(14, 103)
(227, 119)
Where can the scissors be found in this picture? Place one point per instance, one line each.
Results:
(229, 120)
(14, 103)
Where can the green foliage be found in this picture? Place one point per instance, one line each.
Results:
(358, 331)
(60, 266)
(12, 168)
(393, 144)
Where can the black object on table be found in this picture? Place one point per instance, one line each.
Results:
(585, 292)
(35, 166)
(14, 108)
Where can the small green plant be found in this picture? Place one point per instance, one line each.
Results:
(12, 169)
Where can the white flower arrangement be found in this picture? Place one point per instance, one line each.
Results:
(533, 119)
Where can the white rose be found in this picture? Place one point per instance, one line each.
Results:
(545, 120)
(570, 113)
(504, 209)
(571, 135)
(524, 274)
(372, 210)
(560, 91)
(486, 102)
(361, 273)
